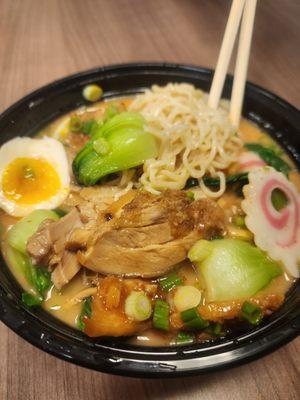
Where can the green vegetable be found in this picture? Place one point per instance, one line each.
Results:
(161, 315)
(184, 338)
(92, 92)
(193, 320)
(170, 281)
(75, 124)
(41, 279)
(86, 311)
(279, 199)
(231, 179)
(269, 157)
(87, 126)
(18, 262)
(60, 212)
(241, 178)
(217, 237)
(234, 232)
(19, 234)
(138, 306)
(111, 111)
(191, 196)
(271, 144)
(119, 144)
(214, 329)
(239, 221)
(37, 277)
(95, 129)
(191, 182)
(251, 313)
(101, 146)
(186, 297)
(30, 300)
(232, 269)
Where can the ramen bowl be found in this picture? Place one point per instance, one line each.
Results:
(31, 114)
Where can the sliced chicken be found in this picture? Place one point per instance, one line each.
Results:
(65, 270)
(48, 247)
(139, 235)
(152, 234)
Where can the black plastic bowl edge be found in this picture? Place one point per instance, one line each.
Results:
(113, 356)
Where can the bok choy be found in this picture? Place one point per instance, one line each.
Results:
(19, 234)
(232, 269)
(119, 144)
(37, 278)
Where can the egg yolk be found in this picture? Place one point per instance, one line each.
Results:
(30, 181)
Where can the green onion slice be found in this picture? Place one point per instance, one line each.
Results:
(251, 313)
(75, 124)
(86, 311)
(167, 283)
(138, 306)
(161, 315)
(184, 338)
(193, 320)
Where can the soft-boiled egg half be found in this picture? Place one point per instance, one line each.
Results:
(34, 174)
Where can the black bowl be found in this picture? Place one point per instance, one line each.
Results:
(114, 356)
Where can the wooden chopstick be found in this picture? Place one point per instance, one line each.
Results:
(245, 10)
(225, 52)
(241, 66)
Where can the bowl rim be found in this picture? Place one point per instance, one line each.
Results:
(149, 363)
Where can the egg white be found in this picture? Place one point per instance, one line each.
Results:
(49, 149)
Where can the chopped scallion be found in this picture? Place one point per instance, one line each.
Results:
(75, 124)
(192, 319)
(214, 329)
(190, 195)
(86, 312)
(87, 126)
(239, 221)
(92, 92)
(138, 306)
(251, 313)
(111, 111)
(184, 338)
(170, 281)
(161, 315)
(186, 297)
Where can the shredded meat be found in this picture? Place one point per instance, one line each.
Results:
(108, 308)
(152, 234)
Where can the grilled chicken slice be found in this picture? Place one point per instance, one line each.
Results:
(152, 234)
(48, 247)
